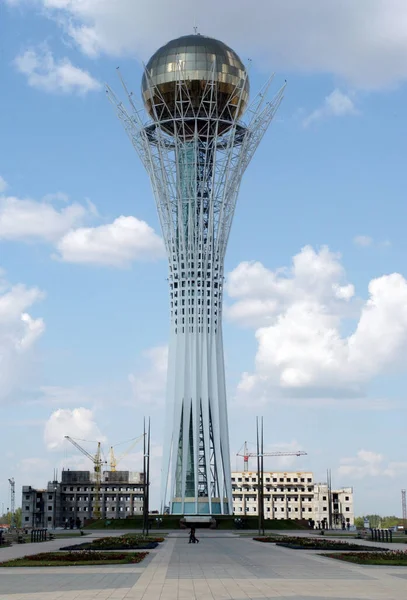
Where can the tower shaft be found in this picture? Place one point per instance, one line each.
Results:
(196, 158)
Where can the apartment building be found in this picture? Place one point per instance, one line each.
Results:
(292, 495)
(72, 500)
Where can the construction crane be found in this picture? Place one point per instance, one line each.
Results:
(246, 455)
(98, 462)
(13, 502)
(404, 508)
(114, 460)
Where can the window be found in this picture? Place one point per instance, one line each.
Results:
(240, 479)
(310, 510)
(302, 480)
(281, 478)
(289, 479)
(274, 479)
(324, 508)
(347, 509)
(309, 479)
(27, 508)
(49, 519)
(295, 479)
(346, 498)
(27, 519)
(49, 507)
(323, 497)
(267, 478)
(71, 489)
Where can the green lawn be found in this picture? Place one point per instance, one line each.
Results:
(306, 543)
(64, 559)
(392, 558)
(129, 541)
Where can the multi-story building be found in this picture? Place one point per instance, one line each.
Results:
(292, 495)
(73, 499)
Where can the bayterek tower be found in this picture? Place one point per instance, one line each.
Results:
(196, 137)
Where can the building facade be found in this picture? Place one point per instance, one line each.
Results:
(292, 495)
(72, 500)
(195, 141)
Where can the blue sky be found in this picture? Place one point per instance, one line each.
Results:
(329, 177)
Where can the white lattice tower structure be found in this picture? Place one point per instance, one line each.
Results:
(195, 148)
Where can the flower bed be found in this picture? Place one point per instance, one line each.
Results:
(395, 558)
(131, 541)
(62, 559)
(304, 543)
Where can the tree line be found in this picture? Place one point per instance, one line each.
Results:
(376, 521)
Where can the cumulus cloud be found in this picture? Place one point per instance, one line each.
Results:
(261, 295)
(56, 76)
(337, 104)
(370, 464)
(149, 385)
(299, 314)
(19, 332)
(117, 244)
(363, 42)
(58, 221)
(77, 423)
(29, 220)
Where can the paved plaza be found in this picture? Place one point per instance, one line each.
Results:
(223, 566)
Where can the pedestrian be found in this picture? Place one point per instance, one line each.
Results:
(192, 537)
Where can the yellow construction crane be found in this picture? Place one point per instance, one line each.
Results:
(114, 460)
(98, 463)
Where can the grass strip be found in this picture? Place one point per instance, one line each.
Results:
(391, 558)
(65, 559)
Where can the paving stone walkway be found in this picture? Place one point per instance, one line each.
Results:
(223, 566)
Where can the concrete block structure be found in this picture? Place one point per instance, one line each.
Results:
(72, 499)
(291, 495)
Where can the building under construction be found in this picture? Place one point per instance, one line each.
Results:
(293, 495)
(74, 499)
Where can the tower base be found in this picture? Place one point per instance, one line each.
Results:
(201, 507)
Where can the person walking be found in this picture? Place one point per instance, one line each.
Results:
(192, 537)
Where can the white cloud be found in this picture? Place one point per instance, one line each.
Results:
(29, 220)
(117, 244)
(301, 350)
(19, 333)
(3, 184)
(149, 385)
(77, 423)
(363, 42)
(261, 295)
(337, 104)
(370, 464)
(363, 240)
(56, 76)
